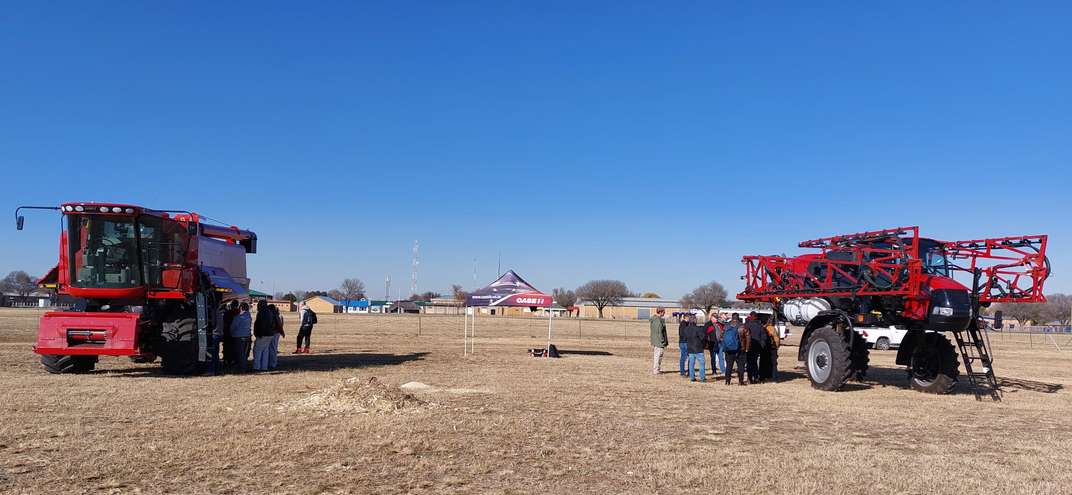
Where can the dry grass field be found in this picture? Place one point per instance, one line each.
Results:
(595, 421)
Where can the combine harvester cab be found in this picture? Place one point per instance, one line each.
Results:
(147, 284)
(895, 277)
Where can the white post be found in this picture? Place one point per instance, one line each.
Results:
(465, 332)
(547, 352)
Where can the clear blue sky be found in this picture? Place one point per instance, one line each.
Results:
(651, 142)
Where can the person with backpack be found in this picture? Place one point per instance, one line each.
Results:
(713, 330)
(264, 329)
(682, 345)
(757, 334)
(696, 342)
(735, 345)
(273, 348)
(306, 320)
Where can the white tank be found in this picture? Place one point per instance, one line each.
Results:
(801, 311)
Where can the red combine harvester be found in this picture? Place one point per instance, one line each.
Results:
(895, 277)
(147, 284)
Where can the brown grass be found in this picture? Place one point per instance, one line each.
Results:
(501, 422)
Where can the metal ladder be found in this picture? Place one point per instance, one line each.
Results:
(975, 347)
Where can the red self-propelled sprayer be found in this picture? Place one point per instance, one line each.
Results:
(146, 283)
(895, 277)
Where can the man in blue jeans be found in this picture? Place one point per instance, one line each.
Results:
(696, 342)
(713, 329)
(682, 347)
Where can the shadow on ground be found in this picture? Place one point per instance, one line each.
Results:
(296, 363)
(585, 353)
(1020, 384)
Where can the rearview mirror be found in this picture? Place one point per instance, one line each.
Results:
(19, 220)
(997, 319)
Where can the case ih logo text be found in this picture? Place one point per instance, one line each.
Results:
(530, 300)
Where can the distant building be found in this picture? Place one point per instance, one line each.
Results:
(443, 306)
(631, 308)
(323, 304)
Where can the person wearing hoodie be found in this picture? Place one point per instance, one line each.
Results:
(240, 337)
(735, 343)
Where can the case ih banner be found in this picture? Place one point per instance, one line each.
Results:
(509, 290)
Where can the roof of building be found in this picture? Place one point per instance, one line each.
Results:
(257, 293)
(327, 299)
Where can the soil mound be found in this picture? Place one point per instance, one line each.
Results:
(358, 395)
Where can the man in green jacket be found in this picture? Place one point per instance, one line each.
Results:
(658, 339)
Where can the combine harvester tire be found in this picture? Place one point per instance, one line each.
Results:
(57, 363)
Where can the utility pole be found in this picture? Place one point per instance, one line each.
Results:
(416, 262)
(474, 273)
(387, 288)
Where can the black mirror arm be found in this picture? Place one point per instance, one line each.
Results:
(19, 219)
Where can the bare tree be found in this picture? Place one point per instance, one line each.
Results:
(19, 283)
(1024, 313)
(458, 293)
(603, 293)
(1058, 308)
(336, 294)
(565, 298)
(300, 295)
(352, 288)
(705, 297)
(424, 296)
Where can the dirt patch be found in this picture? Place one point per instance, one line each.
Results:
(360, 396)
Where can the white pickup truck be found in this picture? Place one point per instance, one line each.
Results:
(882, 338)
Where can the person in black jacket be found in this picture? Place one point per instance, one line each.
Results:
(682, 347)
(757, 333)
(696, 340)
(264, 329)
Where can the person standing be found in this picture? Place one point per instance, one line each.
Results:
(775, 343)
(735, 345)
(682, 346)
(214, 340)
(273, 349)
(695, 341)
(658, 339)
(264, 328)
(757, 334)
(306, 321)
(713, 330)
(240, 336)
(228, 348)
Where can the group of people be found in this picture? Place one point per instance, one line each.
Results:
(239, 332)
(751, 346)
